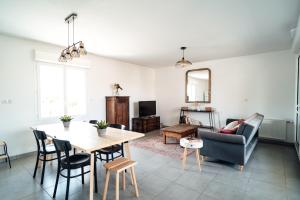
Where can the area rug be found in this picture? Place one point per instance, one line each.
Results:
(156, 144)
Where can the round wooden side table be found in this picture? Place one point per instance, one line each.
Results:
(191, 143)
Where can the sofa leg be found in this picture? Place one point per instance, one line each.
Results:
(241, 167)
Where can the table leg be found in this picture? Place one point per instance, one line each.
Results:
(198, 158)
(127, 150)
(184, 158)
(92, 177)
(210, 120)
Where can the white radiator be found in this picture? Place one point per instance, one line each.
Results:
(277, 129)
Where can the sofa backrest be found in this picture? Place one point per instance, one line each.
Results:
(250, 126)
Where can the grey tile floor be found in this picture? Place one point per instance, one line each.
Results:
(273, 172)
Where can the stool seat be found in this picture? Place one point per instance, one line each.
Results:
(192, 143)
(119, 166)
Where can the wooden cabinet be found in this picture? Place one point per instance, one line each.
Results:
(145, 124)
(117, 110)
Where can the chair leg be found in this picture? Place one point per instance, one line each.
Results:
(95, 173)
(8, 160)
(106, 185)
(135, 183)
(36, 164)
(68, 184)
(107, 158)
(117, 186)
(82, 175)
(43, 170)
(112, 156)
(124, 181)
(56, 181)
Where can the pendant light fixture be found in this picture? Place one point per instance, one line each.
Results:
(183, 62)
(74, 50)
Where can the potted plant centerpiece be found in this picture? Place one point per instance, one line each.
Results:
(101, 127)
(66, 119)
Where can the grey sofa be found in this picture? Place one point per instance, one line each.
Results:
(235, 148)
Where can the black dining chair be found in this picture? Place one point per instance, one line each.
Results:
(43, 150)
(110, 152)
(93, 121)
(5, 155)
(71, 162)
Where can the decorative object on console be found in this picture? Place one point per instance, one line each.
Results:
(117, 110)
(183, 62)
(116, 88)
(66, 120)
(72, 51)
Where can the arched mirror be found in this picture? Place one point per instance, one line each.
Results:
(198, 86)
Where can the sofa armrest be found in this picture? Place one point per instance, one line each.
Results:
(228, 138)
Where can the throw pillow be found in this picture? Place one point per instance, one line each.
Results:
(231, 125)
(228, 131)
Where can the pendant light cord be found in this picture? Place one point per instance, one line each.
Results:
(68, 33)
(73, 30)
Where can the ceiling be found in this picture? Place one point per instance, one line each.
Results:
(150, 32)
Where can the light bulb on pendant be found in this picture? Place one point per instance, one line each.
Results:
(74, 52)
(82, 50)
(68, 55)
(62, 57)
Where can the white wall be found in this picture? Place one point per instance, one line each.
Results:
(263, 83)
(18, 83)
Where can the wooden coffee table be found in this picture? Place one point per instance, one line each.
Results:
(180, 131)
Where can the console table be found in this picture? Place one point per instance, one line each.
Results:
(145, 124)
(211, 116)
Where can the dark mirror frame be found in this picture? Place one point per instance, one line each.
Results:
(209, 85)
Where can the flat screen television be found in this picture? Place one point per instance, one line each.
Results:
(147, 108)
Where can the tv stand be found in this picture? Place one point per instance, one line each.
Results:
(145, 124)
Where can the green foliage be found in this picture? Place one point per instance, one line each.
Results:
(65, 118)
(101, 124)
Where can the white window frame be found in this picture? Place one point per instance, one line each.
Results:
(64, 66)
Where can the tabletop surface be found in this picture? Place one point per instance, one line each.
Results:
(180, 128)
(84, 136)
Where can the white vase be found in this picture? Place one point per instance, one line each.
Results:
(101, 131)
(66, 124)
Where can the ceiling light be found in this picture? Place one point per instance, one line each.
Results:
(183, 62)
(74, 50)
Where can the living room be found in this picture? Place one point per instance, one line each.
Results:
(143, 55)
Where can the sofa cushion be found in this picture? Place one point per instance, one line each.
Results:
(245, 129)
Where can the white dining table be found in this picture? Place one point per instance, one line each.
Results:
(84, 136)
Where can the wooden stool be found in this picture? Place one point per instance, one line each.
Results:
(191, 143)
(118, 166)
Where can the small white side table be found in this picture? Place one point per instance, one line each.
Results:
(191, 143)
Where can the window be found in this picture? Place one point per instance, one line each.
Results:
(62, 90)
